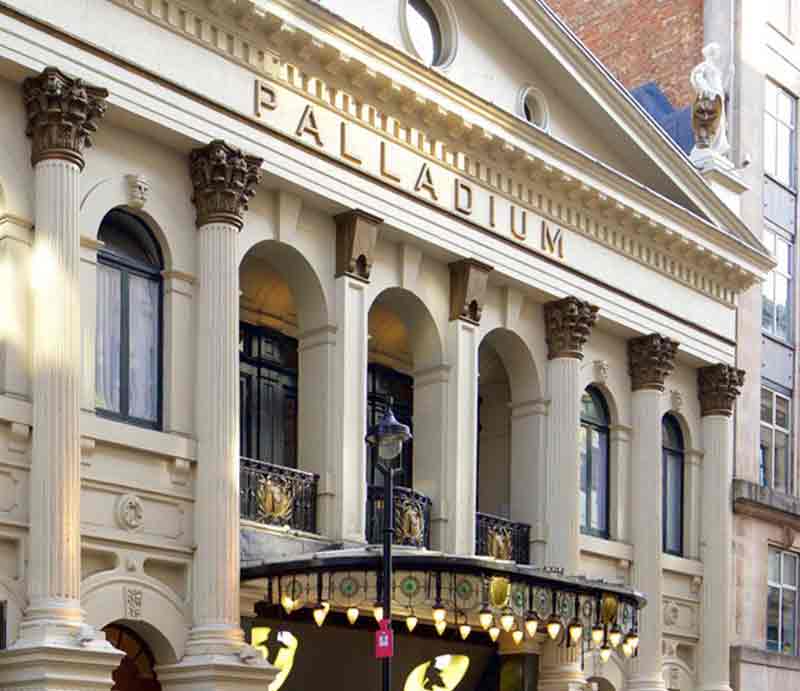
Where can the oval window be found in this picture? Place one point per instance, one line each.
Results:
(534, 108)
(424, 31)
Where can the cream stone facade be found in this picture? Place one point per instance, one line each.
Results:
(297, 201)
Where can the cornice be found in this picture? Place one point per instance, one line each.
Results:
(262, 32)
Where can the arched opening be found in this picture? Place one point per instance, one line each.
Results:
(281, 444)
(600, 684)
(136, 672)
(128, 344)
(404, 346)
(508, 463)
(594, 449)
(672, 472)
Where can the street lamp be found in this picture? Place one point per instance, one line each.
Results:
(388, 436)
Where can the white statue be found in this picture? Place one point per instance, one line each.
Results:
(708, 111)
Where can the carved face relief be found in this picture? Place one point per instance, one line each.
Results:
(130, 512)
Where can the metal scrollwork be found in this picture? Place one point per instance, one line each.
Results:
(275, 499)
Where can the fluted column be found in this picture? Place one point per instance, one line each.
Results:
(718, 388)
(650, 358)
(55, 649)
(224, 180)
(568, 324)
(560, 668)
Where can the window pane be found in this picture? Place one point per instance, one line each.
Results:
(773, 619)
(774, 566)
(782, 462)
(785, 107)
(783, 163)
(584, 475)
(766, 406)
(788, 621)
(424, 31)
(767, 454)
(768, 303)
(789, 569)
(144, 353)
(673, 488)
(782, 412)
(782, 313)
(599, 495)
(770, 146)
(108, 347)
(782, 256)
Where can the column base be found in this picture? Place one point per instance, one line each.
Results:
(646, 684)
(214, 640)
(560, 669)
(84, 666)
(714, 686)
(218, 673)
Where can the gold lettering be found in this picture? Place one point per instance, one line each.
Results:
(552, 241)
(385, 172)
(463, 192)
(491, 210)
(308, 125)
(425, 182)
(519, 233)
(266, 97)
(345, 150)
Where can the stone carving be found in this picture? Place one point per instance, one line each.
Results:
(671, 613)
(130, 512)
(600, 371)
(275, 499)
(650, 359)
(501, 545)
(138, 190)
(718, 387)
(675, 400)
(411, 522)
(708, 111)
(356, 235)
(62, 115)
(224, 181)
(468, 280)
(568, 323)
(134, 599)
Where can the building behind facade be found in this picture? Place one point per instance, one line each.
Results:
(236, 233)
(759, 40)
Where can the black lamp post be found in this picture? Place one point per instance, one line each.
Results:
(388, 436)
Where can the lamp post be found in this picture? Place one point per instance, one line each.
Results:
(388, 436)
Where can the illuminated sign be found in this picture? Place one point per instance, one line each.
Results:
(443, 673)
(284, 647)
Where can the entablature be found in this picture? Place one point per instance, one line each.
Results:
(529, 169)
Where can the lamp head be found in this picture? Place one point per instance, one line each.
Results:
(388, 435)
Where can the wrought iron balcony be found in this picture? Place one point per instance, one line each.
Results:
(412, 517)
(277, 495)
(502, 539)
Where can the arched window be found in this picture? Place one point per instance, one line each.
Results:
(128, 342)
(594, 463)
(672, 485)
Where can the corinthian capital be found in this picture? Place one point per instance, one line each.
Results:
(224, 181)
(568, 323)
(718, 387)
(62, 115)
(650, 360)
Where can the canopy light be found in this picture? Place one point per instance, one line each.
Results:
(440, 626)
(352, 615)
(605, 653)
(320, 612)
(485, 618)
(439, 612)
(411, 622)
(464, 630)
(507, 620)
(598, 633)
(553, 626)
(494, 633)
(575, 629)
(377, 612)
(633, 639)
(615, 636)
(288, 603)
(627, 649)
(517, 636)
(531, 623)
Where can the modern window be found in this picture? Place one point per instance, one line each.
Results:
(779, 15)
(594, 463)
(775, 452)
(424, 31)
(782, 601)
(129, 306)
(776, 297)
(672, 485)
(268, 395)
(780, 119)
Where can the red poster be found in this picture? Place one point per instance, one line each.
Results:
(384, 640)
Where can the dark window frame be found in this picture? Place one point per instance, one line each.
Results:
(676, 453)
(602, 427)
(127, 267)
(431, 17)
(3, 626)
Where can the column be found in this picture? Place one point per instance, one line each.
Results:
(718, 388)
(224, 180)
(458, 503)
(528, 471)
(55, 648)
(560, 668)
(346, 481)
(650, 358)
(568, 324)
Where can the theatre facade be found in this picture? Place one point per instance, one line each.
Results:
(235, 233)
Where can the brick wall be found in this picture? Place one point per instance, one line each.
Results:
(641, 41)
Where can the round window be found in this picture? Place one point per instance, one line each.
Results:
(534, 108)
(424, 31)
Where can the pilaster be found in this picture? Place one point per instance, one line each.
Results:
(651, 359)
(568, 324)
(718, 388)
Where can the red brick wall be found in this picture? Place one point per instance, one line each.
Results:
(641, 41)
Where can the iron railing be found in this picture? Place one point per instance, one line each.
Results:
(412, 517)
(501, 538)
(277, 495)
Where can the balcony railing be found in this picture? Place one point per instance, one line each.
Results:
(502, 539)
(412, 517)
(277, 495)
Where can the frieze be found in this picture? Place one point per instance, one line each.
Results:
(361, 96)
